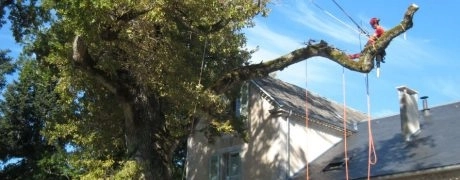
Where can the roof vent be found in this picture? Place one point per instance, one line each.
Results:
(410, 125)
(426, 109)
(337, 163)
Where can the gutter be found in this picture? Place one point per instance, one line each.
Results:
(267, 94)
(410, 174)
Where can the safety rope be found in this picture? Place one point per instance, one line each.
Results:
(357, 25)
(201, 72)
(199, 86)
(361, 32)
(202, 60)
(372, 155)
(307, 173)
(345, 145)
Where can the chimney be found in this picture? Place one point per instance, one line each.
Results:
(425, 110)
(410, 125)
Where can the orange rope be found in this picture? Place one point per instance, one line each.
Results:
(345, 124)
(306, 119)
(372, 156)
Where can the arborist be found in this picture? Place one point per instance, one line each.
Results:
(378, 31)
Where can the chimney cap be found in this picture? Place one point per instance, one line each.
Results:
(406, 89)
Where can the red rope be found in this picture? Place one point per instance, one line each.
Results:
(372, 155)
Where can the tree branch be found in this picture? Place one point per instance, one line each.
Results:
(364, 65)
(112, 31)
(83, 61)
(182, 19)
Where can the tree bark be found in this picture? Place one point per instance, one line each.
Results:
(364, 65)
(147, 139)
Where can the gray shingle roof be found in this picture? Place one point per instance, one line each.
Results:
(320, 109)
(435, 147)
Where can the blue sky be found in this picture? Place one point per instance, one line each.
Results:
(425, 60)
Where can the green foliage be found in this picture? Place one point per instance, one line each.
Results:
(168, 52)
(27, 17)
(28, 103)
(7, 67)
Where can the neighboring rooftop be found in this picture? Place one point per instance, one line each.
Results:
(436, 147)
(320, 110)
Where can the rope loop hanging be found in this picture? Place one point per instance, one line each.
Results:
(372, 154)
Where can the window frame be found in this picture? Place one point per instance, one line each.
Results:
(224, 162)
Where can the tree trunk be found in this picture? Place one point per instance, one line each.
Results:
(147, 139)
(146, 135)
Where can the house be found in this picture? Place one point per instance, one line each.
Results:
(279, 144)
(415, 144)
(431, 152)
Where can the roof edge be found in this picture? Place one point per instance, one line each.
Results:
(271, 99)
(418, 172)
(275, 103)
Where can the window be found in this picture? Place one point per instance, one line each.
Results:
(214, 168)
(225, 166)
(241, 103)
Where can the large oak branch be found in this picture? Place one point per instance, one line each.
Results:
(83, 61)
(364, 65)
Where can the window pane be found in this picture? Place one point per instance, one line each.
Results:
(214, 168)
(234, 166)
(238, 107)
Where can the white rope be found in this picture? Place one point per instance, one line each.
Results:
(307, 173)
(345, 143)
(337, 19)
(202, 60)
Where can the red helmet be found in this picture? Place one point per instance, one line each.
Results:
(374, 21)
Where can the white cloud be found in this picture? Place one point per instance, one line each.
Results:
(262, 36)
(273, 45)
(410, 53)
(321, 21)
(446, 86)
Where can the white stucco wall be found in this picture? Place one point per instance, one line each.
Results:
(265, 156)
(199, 152)
(265, 153)
(307, 145)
